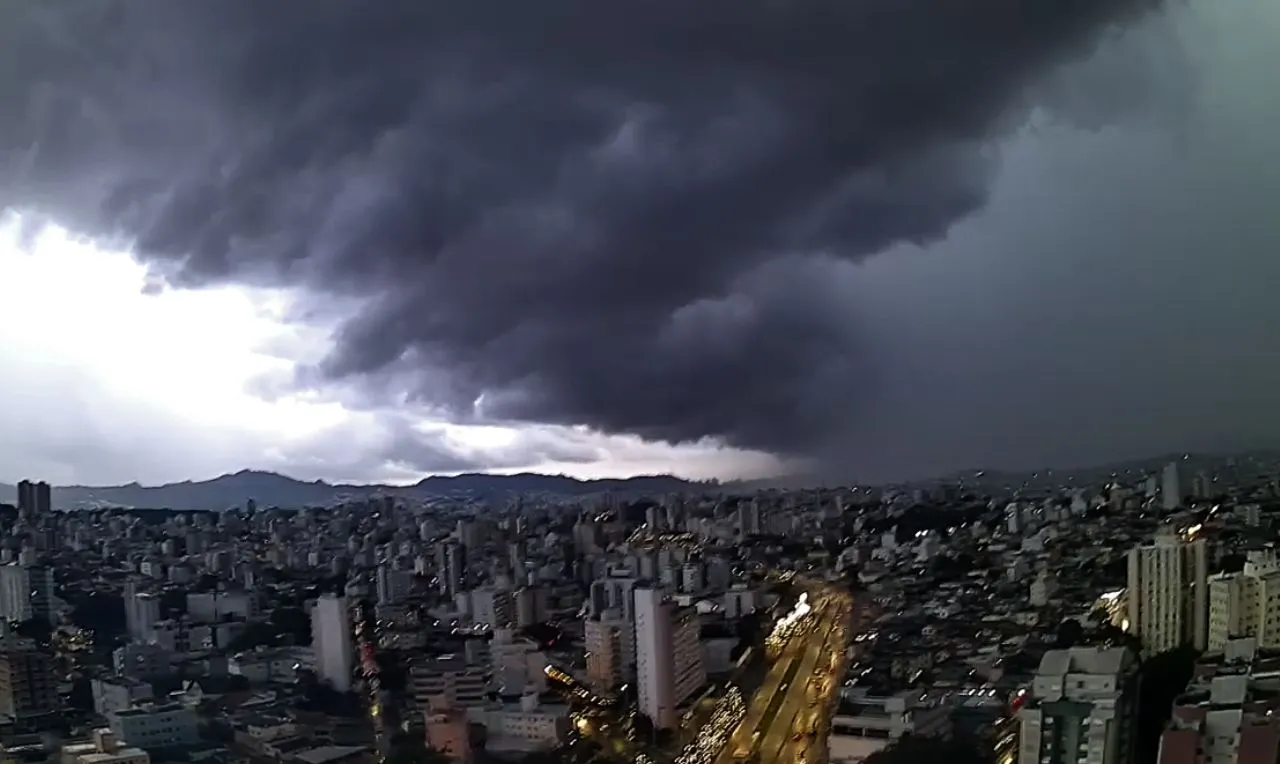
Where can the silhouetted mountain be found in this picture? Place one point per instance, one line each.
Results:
(269, 489)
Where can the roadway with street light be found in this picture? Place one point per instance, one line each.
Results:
(788, 715)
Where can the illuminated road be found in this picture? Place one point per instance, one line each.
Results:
(780, 709)
(365, 638)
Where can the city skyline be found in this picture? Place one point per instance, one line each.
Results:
(639, 382)
(1075, 281)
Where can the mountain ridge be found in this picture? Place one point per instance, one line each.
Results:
(268, 489)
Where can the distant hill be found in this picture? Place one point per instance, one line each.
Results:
(269, 489)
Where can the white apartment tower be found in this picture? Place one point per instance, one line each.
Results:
(748, 518)
(1169, 592)
(611, 650)
(15, 592)
(690, 670)
(1081, 709)
(1246, 604)
(331, 641)
(668, 656)
(1170, 486)
(141, 612)
(492, 607)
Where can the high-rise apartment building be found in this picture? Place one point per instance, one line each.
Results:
(15, 592)
(28, 684)
(611, 650)
(519, 667)
(26, 591)
(531, 605)
(687, 657)
(35, 498)
(669, 665)
(331, 641)
(141, 612)
(1171, 486)
(392, 584)
(450, 568)
(1081, 709)
(614, 593)
(492, 607)
(1168, 592)
(451, 677)
(748, 518)
(1246, 604)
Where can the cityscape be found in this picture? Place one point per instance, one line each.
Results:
(639, 382)
(1122, 620)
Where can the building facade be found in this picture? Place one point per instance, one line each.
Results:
(1228, 714)
(28, 685)
(669, 665)
(1168, 592)
(1081, 709)
(331, 641)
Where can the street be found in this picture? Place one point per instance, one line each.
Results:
(785, 707)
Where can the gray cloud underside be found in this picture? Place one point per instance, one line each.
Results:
(574, 212)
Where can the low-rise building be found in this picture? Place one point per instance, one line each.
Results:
(448, 730)
(527, 726)
(111, 694)
(463, 685)
(104, 748)
(865, 724)
(1227, 715)
(151, 726)
(279, 664)
(142, 661)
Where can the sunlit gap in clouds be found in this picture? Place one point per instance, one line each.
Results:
(212, 369)
(194, 352)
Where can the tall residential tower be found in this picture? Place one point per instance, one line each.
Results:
(1169, 591)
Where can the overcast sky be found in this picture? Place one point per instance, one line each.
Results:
(990, 258)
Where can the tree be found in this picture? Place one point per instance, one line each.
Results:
(643, 727)
(748, 628)
(913, 750)
(1161, 679)
(392, 671)
(1232, 563)
(1110, 634)
(81, 696)
(542, 757)
(1070, 632)
(38, 629)
(286, 625)
(320, 696)
(217, 732)
(173, 603)
(412, 749)
(100, 613)
(292, 622)
(255, 635)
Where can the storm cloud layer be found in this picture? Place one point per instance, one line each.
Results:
(563, 211)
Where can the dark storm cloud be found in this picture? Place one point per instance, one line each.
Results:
(571, 211)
